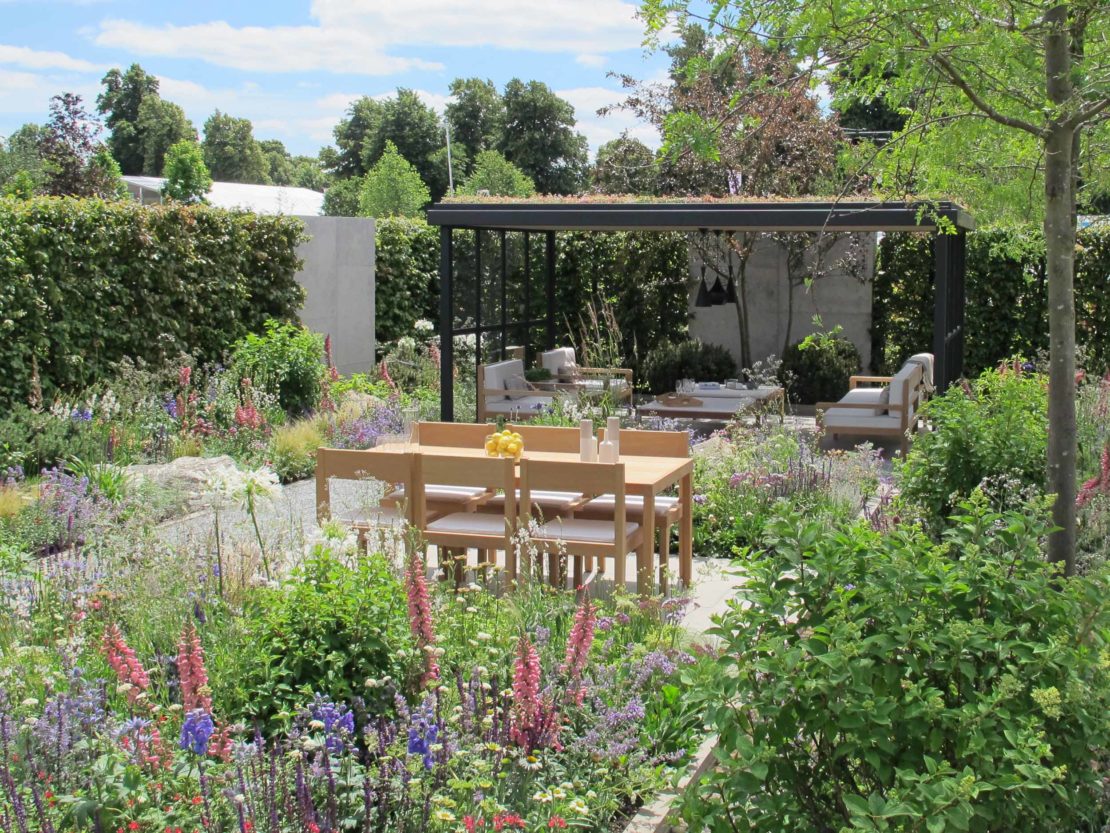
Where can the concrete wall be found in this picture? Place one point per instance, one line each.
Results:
(338, 278)
(838, 296)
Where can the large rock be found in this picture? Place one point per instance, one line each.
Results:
(186, 478)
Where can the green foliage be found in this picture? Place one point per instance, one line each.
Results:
(293, 449)
(540, 139)
(162, 124)
(121, 105)
(85, 283)
(667, 363)
(21, 158)
(476, 112)
(341, 197)
(625, 166)
(186, 175)
(231, 152)
(498, 177)
(817, 368)
(38, 440)
(997, 427)
(886, 683)
(287, 359)
(335, 622)
(74, 160)
(406, 275)
(393, 188)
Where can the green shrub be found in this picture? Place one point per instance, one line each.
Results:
(406, 277)
(287, 360)
(337, 621)
(84, 283)
(817, 368)
(887, 683)
(38, 440)
(668, 363)
(995, 427)
(293, 448)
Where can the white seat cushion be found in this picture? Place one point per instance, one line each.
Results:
(381, 516)
(867, 396)
(525, 404)
(858, 418)
(555, 360)
(576, 529)
(444, 494)
(633, 505)
(543, 499)
(469, 523)
(495, 375)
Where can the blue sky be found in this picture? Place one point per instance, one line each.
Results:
(293, 66)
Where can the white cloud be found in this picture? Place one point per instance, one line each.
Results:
(27, 94)
(261, 48)
(359, 36)
(591, 60)
(437, 101)
(22, 56)
(601, 129)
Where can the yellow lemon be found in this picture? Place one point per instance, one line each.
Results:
(491, 448)
(517, 437)
(513, 448)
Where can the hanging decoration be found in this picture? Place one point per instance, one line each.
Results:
(703, 289)
(730, 290)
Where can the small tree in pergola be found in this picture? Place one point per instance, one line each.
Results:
(1039, 69)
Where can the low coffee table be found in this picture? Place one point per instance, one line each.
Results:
(719, 404)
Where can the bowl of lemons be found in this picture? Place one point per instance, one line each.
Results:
(505, 444)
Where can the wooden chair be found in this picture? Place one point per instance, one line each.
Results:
(393, 470)
(504, 392)
(668, 509)
(441, 498)
(548, 437)
(462, 529)
(890, 411)
(545, 504)
(562, 363)
(613, 537)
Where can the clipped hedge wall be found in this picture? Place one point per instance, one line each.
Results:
(84, 283)
(1007, 310)
(407, 277)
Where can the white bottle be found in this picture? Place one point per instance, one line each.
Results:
(613, 434)
(587, 444)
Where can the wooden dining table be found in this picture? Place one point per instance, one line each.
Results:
(643, 475)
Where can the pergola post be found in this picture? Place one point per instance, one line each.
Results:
(446, 327)
(549, 264)
(941, 264)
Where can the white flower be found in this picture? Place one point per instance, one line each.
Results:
(578, 806)
(542, 797)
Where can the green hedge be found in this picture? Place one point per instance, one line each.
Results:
(84, 283)
(406, 254)
(1006, 298)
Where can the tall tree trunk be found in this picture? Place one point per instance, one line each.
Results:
(1059, 232)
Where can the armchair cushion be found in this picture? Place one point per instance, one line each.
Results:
(517, 384)
(558, 359)
(496, 375)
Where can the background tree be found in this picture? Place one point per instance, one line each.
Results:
(498, 177)
(393, 187)
(160, 124)
(308, 173)
(123, 95)
(352, 135)
(476, 115)
(415, 131)
(625, 166)
(21, 156)
(279, 164)
(342, 197)
(187, 177)
(75, 161)
(1047, 83)
(539, 138)
(231, 152)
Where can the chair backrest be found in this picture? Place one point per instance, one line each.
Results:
(548, 437)
(905, 390)
(555, 360)
(497, 374)
(453, 434)
(487, 472)
(638, 443)
(395, 468)
(591, 479)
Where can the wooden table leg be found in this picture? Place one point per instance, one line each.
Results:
(644, 556)
(686, 531)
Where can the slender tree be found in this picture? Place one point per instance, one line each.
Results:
(476, 115)
(1039, 69)
(187, 177)
(231, 152)
(124, 93)
(393, 187)
(75, 162)
(625, 166)
(498, 177)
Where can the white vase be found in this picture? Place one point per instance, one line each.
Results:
(613, 435)
(587, 445)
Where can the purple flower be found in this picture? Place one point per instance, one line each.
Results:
(81, 415)
(423, 732)
(196, 731)
(543, 635)
(701, 500)
(170, 406)
(338, 723)
(605, 623)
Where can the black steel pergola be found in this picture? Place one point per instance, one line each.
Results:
(510, 237)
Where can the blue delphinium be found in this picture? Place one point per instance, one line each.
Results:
(196, 731)
(423, 732)
(336, 721)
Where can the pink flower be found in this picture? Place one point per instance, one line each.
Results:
(534, 720)
(190, 668)
(420, 616)
(578, 647)
(184, 375)
(123, 661)
(1099, 483)
(384, 370)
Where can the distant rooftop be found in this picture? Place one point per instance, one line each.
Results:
(261, 199)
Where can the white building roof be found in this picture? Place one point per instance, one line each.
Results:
(261, 199)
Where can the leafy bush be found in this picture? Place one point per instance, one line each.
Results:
(1006, 311)
(406, 253)
(338, 620)
(293, 448)
(38, 440)
(884, 682)
(288, 360)
(668, 363)
(817, 368)
(996, 427)
(84, 283)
